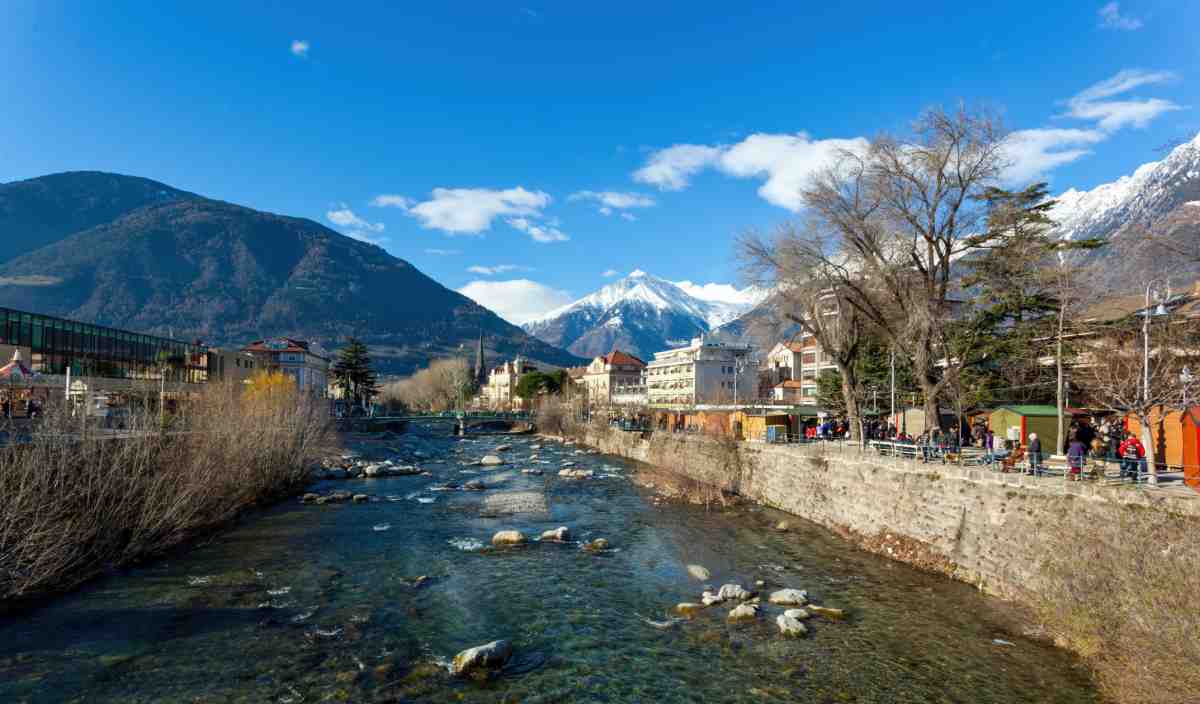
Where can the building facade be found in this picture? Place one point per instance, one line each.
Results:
(113, 358)
(704, 372)
(500, 392)
(792, 369)
(231, 366)
(616, 379)
(305, 362)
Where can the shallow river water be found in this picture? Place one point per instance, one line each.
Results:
(318, 603)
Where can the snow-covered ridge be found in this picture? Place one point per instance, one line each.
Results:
(1146, 194)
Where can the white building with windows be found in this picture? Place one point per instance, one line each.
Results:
(616, 379)
(500, 392)
(793, 368)
(305, 362)
(704, 372)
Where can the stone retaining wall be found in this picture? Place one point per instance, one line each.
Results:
(983, 527)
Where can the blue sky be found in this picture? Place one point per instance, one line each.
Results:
(567, 140)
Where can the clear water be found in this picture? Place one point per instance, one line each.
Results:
(316, 603)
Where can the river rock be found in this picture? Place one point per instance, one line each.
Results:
(491, 461)
(789, 597)
(798, 614)
(790, 626)
(375, 470)
(743, 612)
(782, 526)
(699, 572)
(576, 473)
(561, 534)
(508, 537)
(734, 592)
(360, 498)
(534, 472)
(708, 598)
(831, 614)
(688, 608)
(535, 447)
(474, 485)
(597, 545)
(491, 656)
(310, 498)
(503, 448)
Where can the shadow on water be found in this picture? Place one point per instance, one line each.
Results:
(312, 603)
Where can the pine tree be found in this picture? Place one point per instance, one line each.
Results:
(353, 373)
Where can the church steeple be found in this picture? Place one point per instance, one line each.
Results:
(480, 363)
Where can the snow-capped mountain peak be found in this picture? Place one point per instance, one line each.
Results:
(641, 313)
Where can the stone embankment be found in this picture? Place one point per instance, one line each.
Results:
(987, 528)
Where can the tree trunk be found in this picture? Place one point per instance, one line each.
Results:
(1148, 443)
(1059, 386)
(853, 418)
(933, 419)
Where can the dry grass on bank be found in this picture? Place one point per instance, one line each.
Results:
(77, 503)
(1125, 597)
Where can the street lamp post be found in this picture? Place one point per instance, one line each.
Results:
(1161, 295)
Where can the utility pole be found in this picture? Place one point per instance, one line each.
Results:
(892, 365)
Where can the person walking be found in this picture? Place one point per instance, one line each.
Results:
(1035, 454)
(1132, 454)
(989, 447)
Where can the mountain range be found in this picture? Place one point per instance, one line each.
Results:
(641, 314)
(136, 254)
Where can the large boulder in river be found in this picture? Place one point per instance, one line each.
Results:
(699, 572)
(508, 537)
(734, 592)
(789, 597)
(790, 626)
(491, 656)
(491, 461)
(560, 534)
(743, 612)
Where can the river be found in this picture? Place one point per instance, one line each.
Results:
(305, 603)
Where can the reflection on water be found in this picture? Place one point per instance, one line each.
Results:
(323, 603)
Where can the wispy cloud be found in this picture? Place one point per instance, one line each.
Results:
(470, 211)
(345, 217)
(613, 201)
(300, 48)
(497, 269)
(443, 252)
(783, 161)
(609, 273)
(1095, 102)
(518, 300)
(1033, 153)
(539, 233)
(390, 200)
(1111, 18)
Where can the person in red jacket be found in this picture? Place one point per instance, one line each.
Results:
(1132, 454)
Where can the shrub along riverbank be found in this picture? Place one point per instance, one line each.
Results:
(78, 502)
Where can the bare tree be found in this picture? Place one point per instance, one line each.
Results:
(810, 292)
(900, 215)
(1124, 373)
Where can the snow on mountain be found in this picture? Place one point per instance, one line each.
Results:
(1152, 191)
(641, 314)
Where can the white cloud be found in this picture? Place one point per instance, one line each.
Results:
(671, 169)
(443, 252)
(1111, 18)
(1093, 102)
(785, 161)
(368, 237)
(539, 233)
(518, 300)
(1034, 153)
(300, 48)
(609, 273)
(345, 217)
(389, 200)
(493, 270)
(471, 210)
(720, 293)
(628, 216)
(611, 201)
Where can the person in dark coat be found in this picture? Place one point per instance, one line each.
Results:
(1076, 452)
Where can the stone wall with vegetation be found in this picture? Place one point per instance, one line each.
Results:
(1111, 571)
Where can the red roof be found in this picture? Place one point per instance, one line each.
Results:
(279, 344)
(619, 357)
(794, 346)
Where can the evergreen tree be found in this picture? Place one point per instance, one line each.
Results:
(353, 373)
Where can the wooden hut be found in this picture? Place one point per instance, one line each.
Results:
(1176, 439)
(1019, 421)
